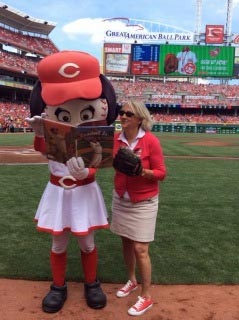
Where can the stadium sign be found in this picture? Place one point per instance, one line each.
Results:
(146, 37)
(214, 34)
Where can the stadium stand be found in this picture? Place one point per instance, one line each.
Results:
(12, 116)
(37, 44)
(183, 101)
(23, 44)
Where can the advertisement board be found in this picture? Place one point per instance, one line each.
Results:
(117, 58)
(236, 63)
(196, 60)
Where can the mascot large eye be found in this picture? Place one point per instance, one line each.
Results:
(63, 115)
(87, 114)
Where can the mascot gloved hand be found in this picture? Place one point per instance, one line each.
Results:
(77, 168)
(71, 90)
(37, 125)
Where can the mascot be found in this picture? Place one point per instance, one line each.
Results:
(70, 89)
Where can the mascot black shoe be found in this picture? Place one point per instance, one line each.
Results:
(94, 295)
(55, 299)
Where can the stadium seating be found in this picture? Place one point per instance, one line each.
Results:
(13, 114)
(164, 109)
(40, 45)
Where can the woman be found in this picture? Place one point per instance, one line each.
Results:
(135, 200)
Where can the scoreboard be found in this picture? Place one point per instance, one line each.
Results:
(170, 60)
(145, 59)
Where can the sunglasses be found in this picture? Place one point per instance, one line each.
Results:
(128, 114)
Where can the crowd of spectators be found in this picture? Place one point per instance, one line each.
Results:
(14, 62)
(194, 117)
(28, 51)
(202, 103)
(41, 45)
(178, 92)
(12, 115)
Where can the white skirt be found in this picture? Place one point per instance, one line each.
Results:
(79, 210)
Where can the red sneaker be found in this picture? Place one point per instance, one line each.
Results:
(142, 305)
(126, 289)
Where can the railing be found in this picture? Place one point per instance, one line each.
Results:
(173, 127)
(191, 127)
(196, 128)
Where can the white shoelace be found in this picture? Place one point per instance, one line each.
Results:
(127, 285)
(139, 303)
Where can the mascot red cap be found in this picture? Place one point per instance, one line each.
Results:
(69, 75)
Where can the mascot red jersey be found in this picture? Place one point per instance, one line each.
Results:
(71, 89)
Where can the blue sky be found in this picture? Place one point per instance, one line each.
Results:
(79, 23)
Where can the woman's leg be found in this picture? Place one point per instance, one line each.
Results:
(129, 258)
(144, 301)
(141, 250)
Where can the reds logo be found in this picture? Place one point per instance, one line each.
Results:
(72, 72)
(214, 34)
(214, 52)
(190, 68)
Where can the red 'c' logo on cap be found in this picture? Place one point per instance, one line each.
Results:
(74, 73)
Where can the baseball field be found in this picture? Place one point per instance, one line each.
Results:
(196, 240)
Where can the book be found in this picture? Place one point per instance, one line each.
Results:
(93, 143)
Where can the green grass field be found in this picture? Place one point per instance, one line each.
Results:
(197, 236)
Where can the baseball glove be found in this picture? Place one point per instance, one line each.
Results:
(170, 63)
(127, 162)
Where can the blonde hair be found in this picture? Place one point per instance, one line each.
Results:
(141, 112)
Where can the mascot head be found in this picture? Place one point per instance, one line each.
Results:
(71, 89)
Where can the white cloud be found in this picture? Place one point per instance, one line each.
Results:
(95, 28)
(235, 3)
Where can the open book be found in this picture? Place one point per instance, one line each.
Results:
(93, 143)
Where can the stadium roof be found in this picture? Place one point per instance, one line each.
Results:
(23, 22)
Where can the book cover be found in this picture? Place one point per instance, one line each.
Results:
(93, 143)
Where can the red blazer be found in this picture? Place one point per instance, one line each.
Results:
(140, 188)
